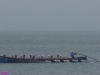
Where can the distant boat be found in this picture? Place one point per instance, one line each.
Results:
(4, 59)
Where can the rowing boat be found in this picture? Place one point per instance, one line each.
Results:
(4, 59)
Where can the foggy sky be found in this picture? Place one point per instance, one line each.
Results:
(49, 15)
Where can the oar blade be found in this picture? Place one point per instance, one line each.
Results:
(96, 60)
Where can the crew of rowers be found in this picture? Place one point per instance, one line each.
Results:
(42, 57)
(39, 57)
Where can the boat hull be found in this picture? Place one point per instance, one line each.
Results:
(45, 60)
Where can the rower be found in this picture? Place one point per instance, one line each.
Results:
(51, 57)
(15, 56)
(33, 57)
(42, 56)
(23, 57)
(30, 56)
(20, 56)
(48, 56)
(12, 56)
(72, 54)
(4, 55)
(57, 56)
(39, 57)
(60, 56)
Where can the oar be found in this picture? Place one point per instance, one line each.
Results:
(88, 57)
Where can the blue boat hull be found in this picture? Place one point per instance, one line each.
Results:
(7, 59)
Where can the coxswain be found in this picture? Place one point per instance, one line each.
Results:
(72, 54)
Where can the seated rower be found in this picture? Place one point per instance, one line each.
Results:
(15, 56)
(48, 56)
(12, 56)
(42, 56)
(39, 56)
(72, 54)
(4, 55)
(57, 56)
(60, 56)
(30, 56)
(51, 56)
(23, 57)
(20, 57)
(33, 57)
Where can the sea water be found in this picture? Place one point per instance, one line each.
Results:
(50, 43)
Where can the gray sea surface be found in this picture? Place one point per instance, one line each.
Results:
(50, 43)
